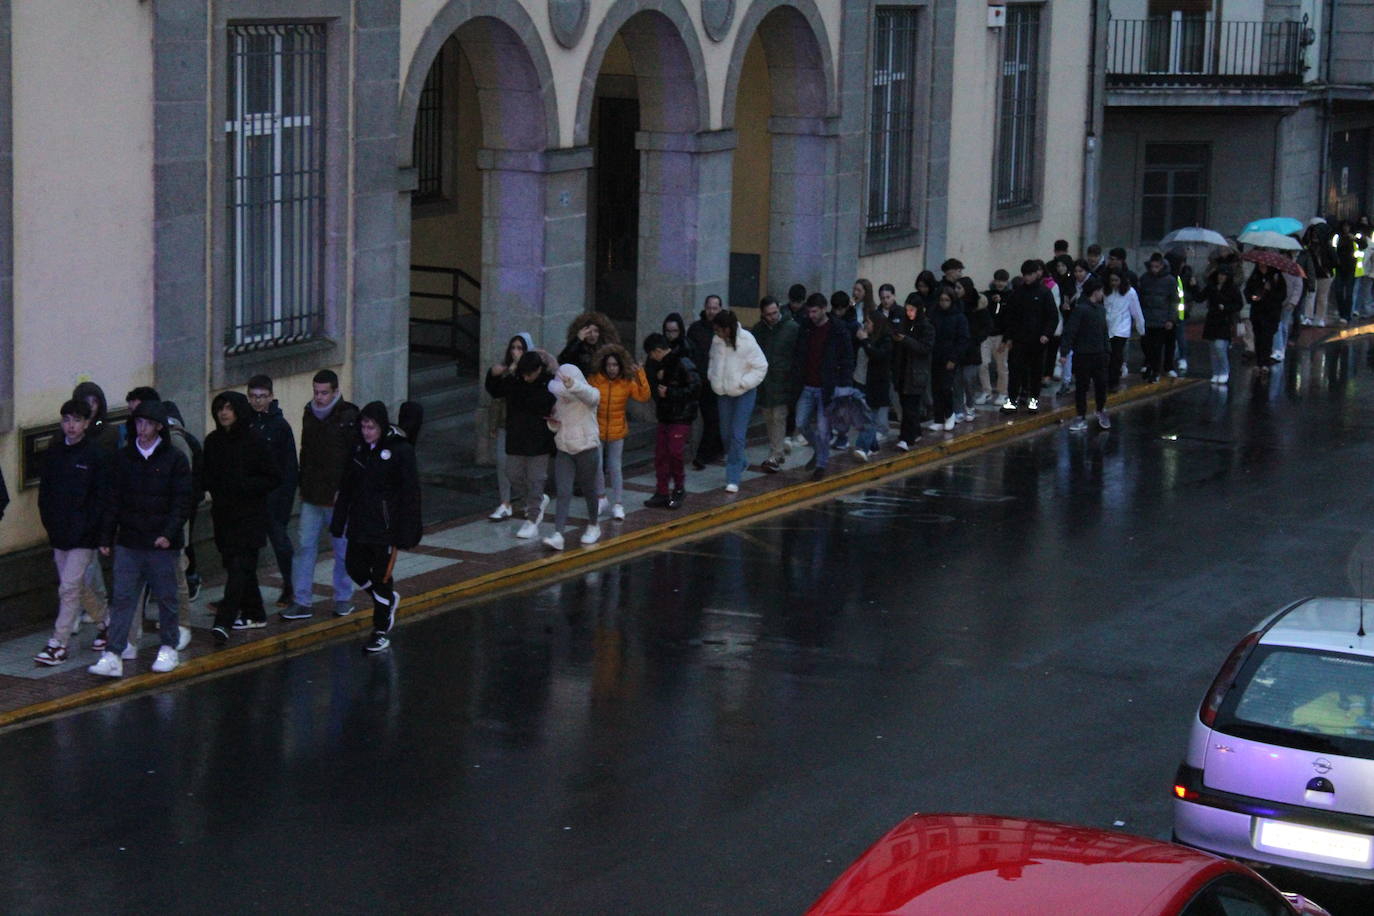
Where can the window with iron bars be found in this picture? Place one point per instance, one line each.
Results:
(1018, 109)
(892, 130)
(276, 195)
(428, 144)
(1173, 188)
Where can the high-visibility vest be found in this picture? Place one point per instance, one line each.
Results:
(1360, 255)
(1182, 307)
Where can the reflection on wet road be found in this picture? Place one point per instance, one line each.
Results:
(722, 726)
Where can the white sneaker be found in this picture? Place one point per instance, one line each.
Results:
(934, 425)
(860, 454)
(500, 512)
(130, 652)
(166, 660)
(1033, 404)
(528, 530)
(183, 638)
(1223, 378)
(969, 416)
(591, 534)
(732, 488)
(108, 666)
(618, 512)
(1172, 373)
(554, 540)
(1214, 379)
(902, 446)
(1277, 356)
(603, 505)
(949, 422)
(1182, 366)
(787, 445)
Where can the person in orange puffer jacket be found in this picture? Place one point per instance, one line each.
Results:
(618, 379)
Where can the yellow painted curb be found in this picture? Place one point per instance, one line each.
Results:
(561, 564)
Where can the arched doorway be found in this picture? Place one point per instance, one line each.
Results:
(778, 98)
(657, 235)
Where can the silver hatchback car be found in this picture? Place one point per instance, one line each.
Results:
(1280, 765)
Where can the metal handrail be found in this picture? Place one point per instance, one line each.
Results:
(458, 303)
(1198, 51)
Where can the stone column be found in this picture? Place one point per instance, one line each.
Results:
(802, 234)
(684, 222)
(534, 242)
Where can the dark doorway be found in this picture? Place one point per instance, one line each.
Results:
(1347, 185)
(617, 207)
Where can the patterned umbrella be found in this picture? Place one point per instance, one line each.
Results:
(1275, 260)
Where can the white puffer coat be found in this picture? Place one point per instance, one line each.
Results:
(574, 411)
(734, 370)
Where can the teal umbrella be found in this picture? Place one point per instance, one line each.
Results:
(1283, 225)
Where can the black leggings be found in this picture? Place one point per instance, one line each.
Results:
(1118, 359)
(942, 381)
(370, 566)
(242, 596)
(1089, 368)
(1159, 350)
(911, 417)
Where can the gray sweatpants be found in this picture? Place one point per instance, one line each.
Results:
(528, 473)
(612, 481)
(582, 468)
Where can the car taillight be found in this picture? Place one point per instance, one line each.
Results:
(1225, 677)
(1187, 781)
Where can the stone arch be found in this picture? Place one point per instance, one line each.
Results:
(668, 62)
(796, 45)
(515, 85)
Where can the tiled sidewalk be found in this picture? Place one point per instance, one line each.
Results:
(470, 556)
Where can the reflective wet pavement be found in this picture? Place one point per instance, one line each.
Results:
(722, 727)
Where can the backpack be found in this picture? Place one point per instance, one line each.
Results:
(176, 429)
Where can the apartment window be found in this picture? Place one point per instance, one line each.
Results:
(276, 195)
(1174, 193)
(1019, 109)
(428, 150)
(892, 129)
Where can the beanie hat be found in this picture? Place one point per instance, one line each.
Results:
(376, 412)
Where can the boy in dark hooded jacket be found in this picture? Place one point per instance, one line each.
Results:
(240, 473)
(378, 510)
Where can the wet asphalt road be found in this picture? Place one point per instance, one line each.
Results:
(722, 727)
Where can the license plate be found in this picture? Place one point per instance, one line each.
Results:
(1314, 843)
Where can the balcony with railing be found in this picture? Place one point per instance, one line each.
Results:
(1199, 53)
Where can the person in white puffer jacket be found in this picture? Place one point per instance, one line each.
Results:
(736, 369)
(578, 440)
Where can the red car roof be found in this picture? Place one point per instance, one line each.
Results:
(975, 864)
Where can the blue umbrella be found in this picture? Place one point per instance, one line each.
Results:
(1283, 225)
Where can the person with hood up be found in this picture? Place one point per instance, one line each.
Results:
(1321, 255)
(1085, 336)
(1224, 303)
(673, 381)
(1265, 291)
(619, 381)
(911, 369)
(378, 512)
(587, 334)
(709, 445)
(525, 393)
(577, 460)
(240, 474)
(735, 371)
(951, 341)
(272, 426)
(516, 347)
(143, 524)
(70, 493)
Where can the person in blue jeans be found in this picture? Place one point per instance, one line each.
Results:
(329, 430)
(824, 360)
(736, 369)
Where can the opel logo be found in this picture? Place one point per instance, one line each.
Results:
(1322, 765)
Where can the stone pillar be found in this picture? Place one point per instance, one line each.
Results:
(684, 222)
(802, 234)
(534, 242)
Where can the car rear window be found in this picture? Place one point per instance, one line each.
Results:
(1305, 698)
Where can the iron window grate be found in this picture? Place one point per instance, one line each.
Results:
(1019, 108)
(276, 174)
(428, 148)
(893, 123)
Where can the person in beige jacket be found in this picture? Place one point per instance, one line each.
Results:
(577, 437)
(737, 367)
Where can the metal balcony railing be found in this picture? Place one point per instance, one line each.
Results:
(1198, 52)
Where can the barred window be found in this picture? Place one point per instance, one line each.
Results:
(1174, 191)
(428, 150)
(894, 112)
(276, 195)
(1018, 108)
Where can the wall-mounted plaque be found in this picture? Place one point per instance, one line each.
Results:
(568, 19)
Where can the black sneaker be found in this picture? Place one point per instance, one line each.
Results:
(102, 639)
(297, 612)
(193, 586)
(658, 501)
(818, 473)
(676, 498)
(377, 643)
(220, 633)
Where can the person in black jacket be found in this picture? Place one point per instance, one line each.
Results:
(873, 361)
(529, 441)
(1224, 304)
(1028, 319)
(143, 518)
(675, 384)
(240, 474)
(911, 369)
(75, 474)
(378, 510)
(709, 446)
(1265, 291)
(269, 423)
(1085, 336)
(951, 341)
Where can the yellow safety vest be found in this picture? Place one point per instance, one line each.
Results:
(1182, 307)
